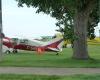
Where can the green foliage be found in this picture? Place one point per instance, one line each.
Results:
(93, 22)
(56, 8)
(68, 29)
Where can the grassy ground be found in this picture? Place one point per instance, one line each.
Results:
(38, 77)
(49, 59)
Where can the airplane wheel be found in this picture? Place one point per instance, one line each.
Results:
(57, 53)
(7, 52)
(15, 51)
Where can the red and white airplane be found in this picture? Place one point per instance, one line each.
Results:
(54, 45)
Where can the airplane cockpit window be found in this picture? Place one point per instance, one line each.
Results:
(15, 39)
(24, 41)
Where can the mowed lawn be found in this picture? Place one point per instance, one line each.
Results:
(50, 59)
(40, 77)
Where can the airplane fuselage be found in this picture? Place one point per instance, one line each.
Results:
(33, 45)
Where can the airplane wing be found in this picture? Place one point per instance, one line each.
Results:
(53, 49)
(34, 43)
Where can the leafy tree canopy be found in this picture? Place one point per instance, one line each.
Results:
(65, 9)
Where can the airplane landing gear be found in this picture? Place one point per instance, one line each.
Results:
(57, 53)
(7, 52)
(15, 51)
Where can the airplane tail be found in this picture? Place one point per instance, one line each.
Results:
(55, 44)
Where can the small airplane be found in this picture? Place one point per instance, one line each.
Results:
(54, 45)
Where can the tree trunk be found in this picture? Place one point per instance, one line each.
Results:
(0, 30)
(80, 50)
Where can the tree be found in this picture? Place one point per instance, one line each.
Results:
(67, 29)
(79, 10)
(84, 9)
(93, 22)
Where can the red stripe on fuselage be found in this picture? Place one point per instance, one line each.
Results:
(25, 47)
(9, 45)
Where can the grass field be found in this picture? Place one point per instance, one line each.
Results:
(50, 59)
(38, 77)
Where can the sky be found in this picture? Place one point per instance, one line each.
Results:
(24, 22)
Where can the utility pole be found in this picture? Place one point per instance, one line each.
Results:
(99, 33)
(0, 30)
(99, 18)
